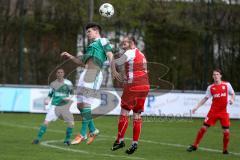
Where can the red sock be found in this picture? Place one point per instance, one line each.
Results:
(226, 136)
(137, 126)
(200, 134)
(122, 127)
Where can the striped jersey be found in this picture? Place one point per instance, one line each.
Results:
(59, 91)
(136, 68)
(97, 50)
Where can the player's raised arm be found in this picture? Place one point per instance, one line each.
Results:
(73, 58)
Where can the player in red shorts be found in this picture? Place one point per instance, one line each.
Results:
(135, 91)
(219, 91)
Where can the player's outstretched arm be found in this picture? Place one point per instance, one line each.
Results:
(199, 104)
(73, 58)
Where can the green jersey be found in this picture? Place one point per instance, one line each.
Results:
(97, 51)
(59, 91)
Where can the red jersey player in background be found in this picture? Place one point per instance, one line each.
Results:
(219, 91)
(135, 90)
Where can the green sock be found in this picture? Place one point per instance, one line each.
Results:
(41, 131)
(86, 116)
(91, 126)
(69, 131)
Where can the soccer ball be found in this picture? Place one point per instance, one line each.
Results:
(106, 10)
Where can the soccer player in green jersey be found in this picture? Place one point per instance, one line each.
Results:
(97, 52)
(60, 97)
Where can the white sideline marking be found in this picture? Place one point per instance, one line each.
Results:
(142, 140)
(47, 144)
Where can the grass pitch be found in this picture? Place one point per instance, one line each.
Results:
(161, 139)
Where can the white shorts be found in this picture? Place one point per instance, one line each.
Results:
(86, 90)
(51, 115)
(62, 112)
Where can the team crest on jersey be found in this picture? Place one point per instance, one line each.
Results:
(223, 87)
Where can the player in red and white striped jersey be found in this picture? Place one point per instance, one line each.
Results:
(219, 91)
(135, 91)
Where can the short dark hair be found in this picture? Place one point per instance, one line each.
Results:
(94, 26)
(218, 70)
(131, 38)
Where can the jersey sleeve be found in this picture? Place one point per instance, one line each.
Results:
(208, 93)
(106, 45)
(51, 91)
(230, 89)
(129, 54)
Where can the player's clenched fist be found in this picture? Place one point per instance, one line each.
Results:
(67, 55)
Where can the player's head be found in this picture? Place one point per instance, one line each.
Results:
(93, 30)
(128, 42)
(217, 75)
(60, 73)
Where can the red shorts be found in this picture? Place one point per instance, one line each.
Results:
(212, 118)
(133, 97)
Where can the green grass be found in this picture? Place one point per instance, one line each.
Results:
(159, 140)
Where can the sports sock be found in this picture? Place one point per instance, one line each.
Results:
(137, 126)
(200, 134)
(69, 131)
(86, 116)
(122, 127)
(226, 136)
(41, 131)
(91, 126)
